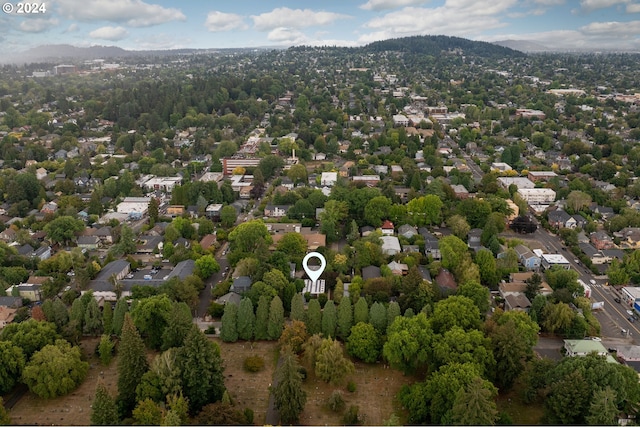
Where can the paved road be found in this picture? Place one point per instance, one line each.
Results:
(614, 317)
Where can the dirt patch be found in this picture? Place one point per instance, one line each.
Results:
(376, 388)
(249, 389)
(74, 408)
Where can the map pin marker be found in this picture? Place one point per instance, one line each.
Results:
(314, 275)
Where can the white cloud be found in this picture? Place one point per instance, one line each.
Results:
(219, 21)
(72, 28)
(286, 36)
(591, 5)
(37, 25)
(455, 18)
(109, 33)
(390, 4)
(633, 8)
(612, 29)
(135, 13)
(284, 17)
(549, 2)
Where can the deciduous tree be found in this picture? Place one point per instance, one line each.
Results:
(364, 342)
(12, 363)
(408, 342)
(330, 363)
(55, 370)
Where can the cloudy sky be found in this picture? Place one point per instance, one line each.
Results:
(167, 24)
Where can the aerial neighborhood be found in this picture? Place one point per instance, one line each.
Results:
(478, 209)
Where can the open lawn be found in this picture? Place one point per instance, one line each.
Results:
(376, 388)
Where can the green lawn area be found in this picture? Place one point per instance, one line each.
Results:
(520, 412)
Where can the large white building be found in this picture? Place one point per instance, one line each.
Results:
(537, 196)
(129, 205)
(518, 181)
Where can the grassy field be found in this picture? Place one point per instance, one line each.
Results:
(521, 413)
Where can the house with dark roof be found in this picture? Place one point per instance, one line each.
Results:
(601, 240)
(371, 272)
(241, 284)
(558, 218)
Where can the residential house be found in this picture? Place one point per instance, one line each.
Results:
(7, 315)
(49, 208)
(460, 191)
(407, 231)
(365, 230)
(8, 235)
(558, 218)
(276, 211)
(629, 237)
(596, 256)
(42, 253)
(601, 240)
(11, 302)
(605, 211)
(446, 282)
(387, 228)
(175, 210)
(527, 258)
(329, 179)
(230, 298)
(576, 348)
(371, 272)
(431, 244)
(105, 234)
(88, 242)
(368, 180)
(397, 268)
(207, 241)
(241, 284)
(474, 238)
(390, 245)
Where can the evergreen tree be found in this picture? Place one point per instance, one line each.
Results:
(92, 324)
(122, 307)
(345, 318)
(329, 319)
(202, 370)
(288, 394)
(229, 328)
(361, 311)
(76, 315)
(393, 311)
(132, 364)
(378, 317)
(246, 320)
(314, 317)
(104, 411)
(297, 307)
(105, 349)
(262, 318)
(179, 323)
(107, 318)
(276, 319)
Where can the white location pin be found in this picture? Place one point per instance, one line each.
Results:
(314, 275)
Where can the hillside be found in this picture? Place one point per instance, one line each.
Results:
(434, 45)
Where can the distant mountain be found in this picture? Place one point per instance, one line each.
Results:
(62, 52)
(523, 45)
(434, 45)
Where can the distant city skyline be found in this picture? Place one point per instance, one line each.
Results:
(171, 24)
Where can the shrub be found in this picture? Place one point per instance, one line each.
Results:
(352, 416)
(303, 372)
(351, 387)
(248, 414)
(336, 402)
(253, 363)
(216, 310)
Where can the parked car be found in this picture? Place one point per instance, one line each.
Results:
(631, 319)
(616, 299)
(593, 282)
(630, 312)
